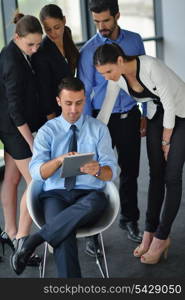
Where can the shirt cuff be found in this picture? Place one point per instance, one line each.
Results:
(114, 173)
(36, 175)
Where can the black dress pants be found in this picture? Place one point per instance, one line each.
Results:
(165, 187)
(125, 134)
(64, 212)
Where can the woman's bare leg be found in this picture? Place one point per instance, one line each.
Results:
(24, 219)
(10, 184)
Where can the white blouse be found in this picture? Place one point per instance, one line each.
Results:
(161, 81)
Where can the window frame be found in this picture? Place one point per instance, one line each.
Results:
(88, 28)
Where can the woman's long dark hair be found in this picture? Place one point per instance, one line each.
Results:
(71, 51)
(109, 53)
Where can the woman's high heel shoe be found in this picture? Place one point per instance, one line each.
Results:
(145, 245)
(4, 238)
(152, 259)
(140, 250)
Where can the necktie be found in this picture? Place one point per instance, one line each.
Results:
(28, 58)
(69, 182)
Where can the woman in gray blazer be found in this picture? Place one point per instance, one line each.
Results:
(148, 79)
(19, 117)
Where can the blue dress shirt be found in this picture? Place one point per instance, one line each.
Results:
(95, 84)
(52, 140)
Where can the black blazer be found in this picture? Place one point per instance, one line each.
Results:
(50, 66)
(19, 102)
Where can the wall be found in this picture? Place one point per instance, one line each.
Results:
(173, 20)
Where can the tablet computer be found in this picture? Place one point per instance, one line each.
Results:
(71, 164)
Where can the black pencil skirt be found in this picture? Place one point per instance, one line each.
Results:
(15, 145)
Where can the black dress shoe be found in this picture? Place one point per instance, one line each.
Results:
(34, 260)
(133, 231)
(92, 247)
(20, 257)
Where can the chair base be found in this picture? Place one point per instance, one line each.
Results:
(104, 273)
(103, 269)
(42, 266)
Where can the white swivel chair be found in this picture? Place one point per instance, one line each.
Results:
(106, 220)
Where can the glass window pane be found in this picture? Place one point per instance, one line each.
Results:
(1, 154)
(138, 16)
(1, 30)
(1, 45)
(150, 48)
(70, 8)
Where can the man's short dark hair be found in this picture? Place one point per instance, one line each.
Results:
(71, 84)
(99, 6)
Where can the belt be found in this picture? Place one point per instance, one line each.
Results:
(122, 115)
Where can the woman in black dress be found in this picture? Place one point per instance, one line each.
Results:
(56, 58)
(19, 118)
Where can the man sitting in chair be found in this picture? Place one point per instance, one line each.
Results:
(74, 201)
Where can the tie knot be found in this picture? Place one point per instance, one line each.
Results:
(73, 127)
(28, 58)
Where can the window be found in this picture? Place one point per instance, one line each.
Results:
(70, 8)
(1, 29)
(138, 16)
(1, 154)
(1, 45)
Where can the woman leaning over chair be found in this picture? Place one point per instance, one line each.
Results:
(147, 78)
(19, 117)
(56, 58)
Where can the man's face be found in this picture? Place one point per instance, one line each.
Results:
(105, 23)
(72, 104)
